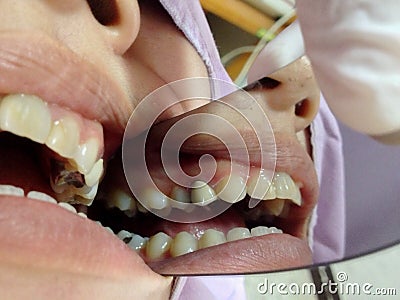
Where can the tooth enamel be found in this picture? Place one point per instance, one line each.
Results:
(201, 193)
(118, 198)
(231, 189)
(11, 190)
(67, 206)
(86, 155)
(41, 196)
(181, 195)
(154, 199)
(158, 245)
(260, 187)
(88, 193)
(286, 188)
(211, 237)
(64, 137)
(263, 230)
(137, 242)
(183, 243)
(124, 235)
(95, 174)
(238, 233)
(274, 207)
(82, 214)
(26, 116)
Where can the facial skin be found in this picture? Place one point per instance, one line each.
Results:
(61, 52)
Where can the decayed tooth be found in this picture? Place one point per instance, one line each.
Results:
(158, 245)
(95, 174)
(11, 190)
(67, 206)
(41, 196)
(260, 187)
(183, 243)
(118, 198)
(274, 207)
(64, 137)
(231, 189)
(27, 116)
(286, 188)
(263, 230)
(211, 237)
(86, 156)
(201, 193)
(154, 199)
(238, 233)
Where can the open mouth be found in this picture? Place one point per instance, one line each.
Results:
(54, 150)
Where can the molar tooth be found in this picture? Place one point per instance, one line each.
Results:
(274, 207)
(238, 233)
(11, 190)
(154, 199)
(183, 243)
(263, 230)
(158, 245)
(41, 196)
(231, 189)
(25, 115)
(67, 206)
(64, 137)
(261, 187)
(95, 174)
(286, 188)
(201, 193)
(211, 237)
(86, 155)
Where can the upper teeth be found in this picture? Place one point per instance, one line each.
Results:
(230, 189)
(77, 140)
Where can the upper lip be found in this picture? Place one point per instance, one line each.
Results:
(33, 63)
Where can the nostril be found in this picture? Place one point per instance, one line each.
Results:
(105, 11)
(303, 108)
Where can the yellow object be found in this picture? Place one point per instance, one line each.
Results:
(240, 14)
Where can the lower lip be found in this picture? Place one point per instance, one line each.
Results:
(34, 232)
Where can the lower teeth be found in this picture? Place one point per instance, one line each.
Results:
(161, 245)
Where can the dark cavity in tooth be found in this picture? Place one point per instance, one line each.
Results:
(61, 176)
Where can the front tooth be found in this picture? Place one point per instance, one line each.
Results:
(95, 174)
(86, 194)
(86, 156)
(286, 188)
(238, 233)
(231, 189)
(158, 245)
(183, 243)
(64, 137)
(260, 187)
(201, 193)
(274, 207)
(181, 195)
(27, 116)
(41, 196)
(154, 199)
(211, 237)
(11, 190)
